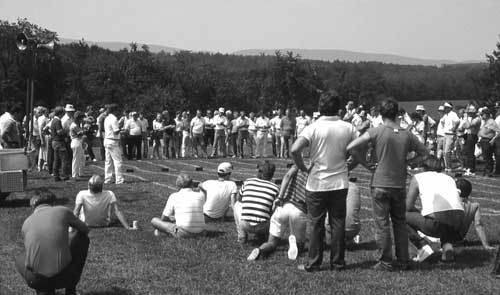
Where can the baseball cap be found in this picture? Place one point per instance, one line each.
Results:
(420, 108)
(447, 105)
(69, 108)
(221, 110)
(225, 168)
(471, 109)
(315, 114)
(441, 108)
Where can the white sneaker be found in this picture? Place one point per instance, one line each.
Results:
(156, 233)
(293, 251)
(357, 239)
(254, 254)
(423, 253)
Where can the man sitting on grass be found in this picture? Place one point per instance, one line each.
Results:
(471, 213)
(98, 205)
(183, 214)
(53, 258)
(220, 193)
(442, 211)
(256, 196)
(290, 213)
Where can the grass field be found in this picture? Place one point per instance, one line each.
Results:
(123, 262)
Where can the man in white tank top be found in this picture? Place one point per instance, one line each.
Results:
(442, 210)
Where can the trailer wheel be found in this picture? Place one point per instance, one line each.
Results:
(3, 196)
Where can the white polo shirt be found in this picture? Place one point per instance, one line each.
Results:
(449, 122)
(111, 126)
(186, 207)
(197, 125)
(96, 208)
(438, 193)
(328, 138)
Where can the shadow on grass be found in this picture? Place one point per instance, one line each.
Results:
(215, 233)
(20, 203)
(113, 291)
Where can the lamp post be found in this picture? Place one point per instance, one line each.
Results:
(31, 46)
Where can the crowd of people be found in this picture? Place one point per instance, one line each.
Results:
(319, 194)
(62, 139)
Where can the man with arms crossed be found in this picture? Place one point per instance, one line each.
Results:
(328, 181)
(53, 258)
(388, 188)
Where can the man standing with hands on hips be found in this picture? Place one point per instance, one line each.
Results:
(328, 182)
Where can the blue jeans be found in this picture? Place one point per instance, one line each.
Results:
(390, 202)
(318, 204)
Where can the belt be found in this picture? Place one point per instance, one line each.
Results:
(447, 133)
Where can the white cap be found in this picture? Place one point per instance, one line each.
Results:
(69, 108)
(441, 108)
(420, 108)
(315, 114)
(447, 105)
(225, 168)
(221, 110)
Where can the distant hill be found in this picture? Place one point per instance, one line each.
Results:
(116, 46)
(352, 56)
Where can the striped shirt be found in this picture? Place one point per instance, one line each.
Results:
(186, 206)
(296, 191)
(257, 197)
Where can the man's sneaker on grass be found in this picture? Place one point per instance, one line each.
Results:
(448, 253)
(293, 251)
(423, 253)
(254, 254)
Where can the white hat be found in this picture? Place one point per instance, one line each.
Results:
(471, 109)
(69, 108)
(225, 168)
(315, 114)
(420, 108)
(441, 108)
(447, 105)
(221, 110)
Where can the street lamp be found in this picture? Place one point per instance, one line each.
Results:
(31, 45)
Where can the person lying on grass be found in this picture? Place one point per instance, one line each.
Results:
(220, 193)
(290, 213)
(442, 210)
(352, 222)
(53, 258)
(254, 208)
(183, 213)
(95, 206)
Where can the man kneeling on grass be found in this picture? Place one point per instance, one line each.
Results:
(220, 193)
(98, 205)
(53, 258)
(253, 211)
(183, 214)
(290, 212)
(442, 210)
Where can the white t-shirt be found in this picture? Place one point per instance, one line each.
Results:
(218, 197)
(262, 124)
(197, 125)
(186, 206)
(449, 121)
(110, 127)
(328, 139)
(96, 208)
(302, 122)
(438, 192)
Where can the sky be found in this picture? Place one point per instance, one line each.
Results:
(439, 29)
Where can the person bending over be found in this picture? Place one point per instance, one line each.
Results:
(442, 211)
(253, 210)
(183, 213)
(290, 213)
(220, 193)
(53, 257)
(95, 206)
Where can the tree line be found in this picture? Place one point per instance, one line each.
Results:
(136, 78)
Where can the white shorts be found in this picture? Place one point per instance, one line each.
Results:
(288, 217)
